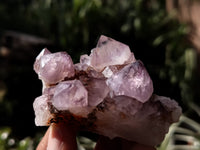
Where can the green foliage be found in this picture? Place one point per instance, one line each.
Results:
(7, 142)
(184, 135)
(4, 141)
(85, 143)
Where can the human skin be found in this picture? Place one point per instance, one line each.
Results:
(62, 137)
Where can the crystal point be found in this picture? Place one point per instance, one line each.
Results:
(97, 91)
(133, 81)
(70, 94)
(38, 59)
(54, 67)
(109, 52)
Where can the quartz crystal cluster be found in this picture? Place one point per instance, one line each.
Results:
(109, 93)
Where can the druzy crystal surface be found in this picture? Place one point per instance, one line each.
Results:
(108, 92)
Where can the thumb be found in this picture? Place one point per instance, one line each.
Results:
(59, 137)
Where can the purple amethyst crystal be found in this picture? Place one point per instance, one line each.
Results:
(109, 92)
(109, 52)
(42, 112)
(70, 94)
(136, 78)
(53, 68)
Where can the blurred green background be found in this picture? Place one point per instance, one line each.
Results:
(156, 36)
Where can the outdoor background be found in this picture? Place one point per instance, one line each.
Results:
(164, 35)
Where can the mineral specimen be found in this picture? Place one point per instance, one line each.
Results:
(109, 93)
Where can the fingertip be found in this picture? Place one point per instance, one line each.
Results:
(43, 143)
(62, 137)
(59, 137)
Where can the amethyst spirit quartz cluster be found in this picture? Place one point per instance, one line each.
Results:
(109, 93)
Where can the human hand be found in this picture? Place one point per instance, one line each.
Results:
(62, 137)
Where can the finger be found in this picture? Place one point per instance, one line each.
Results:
(61, 137)
(43, 143)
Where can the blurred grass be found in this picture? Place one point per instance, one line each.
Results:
(184, 135)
